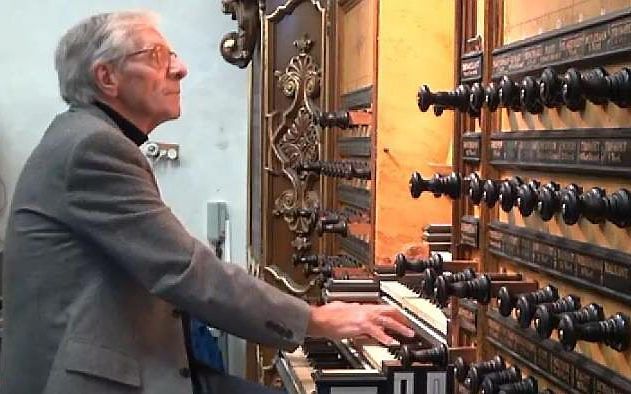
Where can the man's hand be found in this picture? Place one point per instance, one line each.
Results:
(339, 320)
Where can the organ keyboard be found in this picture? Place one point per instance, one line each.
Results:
(357, 366)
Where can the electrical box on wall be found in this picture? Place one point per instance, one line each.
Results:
(217, 215)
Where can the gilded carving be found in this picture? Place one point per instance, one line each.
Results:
(297, 138)
(237, 47)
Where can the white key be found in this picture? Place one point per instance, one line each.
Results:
(302, 370)
(420, 307)
(377, 354)
(397, 290)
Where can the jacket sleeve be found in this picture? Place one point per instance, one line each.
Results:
(112, 201)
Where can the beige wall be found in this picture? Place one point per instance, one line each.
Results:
(415, 46)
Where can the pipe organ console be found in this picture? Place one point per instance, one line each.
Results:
(376, 368)
(533, 295)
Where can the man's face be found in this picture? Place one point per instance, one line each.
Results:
(149, 80)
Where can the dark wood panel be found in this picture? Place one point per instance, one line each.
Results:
(581, 151)
(607, 271)
(594, 41)
(360, 98)
(354, 146)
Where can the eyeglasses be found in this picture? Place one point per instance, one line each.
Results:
(161, 56)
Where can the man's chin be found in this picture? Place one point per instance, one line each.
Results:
(171, 115)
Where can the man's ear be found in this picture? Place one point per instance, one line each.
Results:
(106, 79)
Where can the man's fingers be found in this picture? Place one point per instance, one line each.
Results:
(397, 314)
(393, 325)
(381, 336)
(386, 309)
(394, 314)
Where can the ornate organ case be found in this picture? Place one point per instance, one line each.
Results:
(538, 123)
(333, 133)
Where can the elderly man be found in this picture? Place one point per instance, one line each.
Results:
(98, 270)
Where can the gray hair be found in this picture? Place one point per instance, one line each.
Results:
(101, 38)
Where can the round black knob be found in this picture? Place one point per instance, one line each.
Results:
(492, 381)
(509, 92)
(548, 201)
(309, 166)
(478, 289)
(340, 228)
(309, 260)
(594, 85)
(527, 197)
(526, 386)
(418, 185)
(547, 315)
(477, 372)
(551, 88)
(491, 96)
(462, 368)
(325, 270)
(621, 88)
(429, 282)
(452, 185)
(571, 91)
(437, 355)
(527, 303)
(475, 188)
(339, 119)
(615, 332)
(505, 301)
(589, 313)
(438, 185)
(571, 204)
(331, 218)
(508, 193)
(425, 98)
(443, 287)
(476, 98)
(458, 99)
(490, 192)
(529, 95)
(595, 205)
(402, 264)
(619, 212)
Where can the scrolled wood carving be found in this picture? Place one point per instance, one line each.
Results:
(297, 137)
(237, 47)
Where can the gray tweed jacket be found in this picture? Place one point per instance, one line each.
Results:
(96, 268)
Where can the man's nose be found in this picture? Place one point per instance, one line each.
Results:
(178, 69)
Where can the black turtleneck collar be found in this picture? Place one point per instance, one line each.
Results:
(128, 128)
